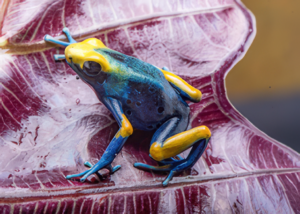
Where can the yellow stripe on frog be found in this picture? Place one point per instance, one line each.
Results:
(126, 129)
(194, 93)
(178, 143)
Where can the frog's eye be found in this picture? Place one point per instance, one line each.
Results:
(91, 68)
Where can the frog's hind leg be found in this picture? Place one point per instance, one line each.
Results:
(170, 140)
(195, 153)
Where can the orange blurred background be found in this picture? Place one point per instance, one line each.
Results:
(265, 85)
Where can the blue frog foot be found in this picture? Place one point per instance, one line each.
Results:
(171, 166)
(176, 166)
(92, 170)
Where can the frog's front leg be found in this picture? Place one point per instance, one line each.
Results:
(170, 140)
(49, 38)
(114, 146)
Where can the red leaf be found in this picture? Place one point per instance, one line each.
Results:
(51, 123)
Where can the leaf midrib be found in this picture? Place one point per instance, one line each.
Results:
(95, 190)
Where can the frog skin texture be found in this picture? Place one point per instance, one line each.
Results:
(140, 96)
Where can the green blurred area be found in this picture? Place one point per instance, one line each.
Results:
(273, 59)
(265, 85)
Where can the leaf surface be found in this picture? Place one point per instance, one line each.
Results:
(52, 123)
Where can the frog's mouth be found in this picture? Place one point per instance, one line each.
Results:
(76, 68)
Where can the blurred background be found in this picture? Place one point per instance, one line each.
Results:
(265, 85)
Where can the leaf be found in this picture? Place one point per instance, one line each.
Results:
(51, 123)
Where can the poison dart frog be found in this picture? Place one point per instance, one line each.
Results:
(139, 96)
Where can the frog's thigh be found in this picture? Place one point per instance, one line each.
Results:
(177, 143)
(168, 129)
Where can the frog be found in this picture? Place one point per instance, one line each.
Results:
(140, 96)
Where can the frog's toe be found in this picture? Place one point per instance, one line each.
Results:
(143, 166)
(113, 169)
(166, 168)
(116, 168)
(165, 68)
(88, 164)
(68, 34)
(86, 173)
(168, 179)
(68, 177)
(66, 30)
(90, 172)
(58, 57)
(49, 38)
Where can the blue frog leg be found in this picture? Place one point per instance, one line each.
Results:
(170, 140)
(114, 146)
(59, 57)
(70, 38)
(49, 38)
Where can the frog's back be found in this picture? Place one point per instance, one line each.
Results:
(147, 98)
